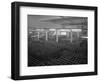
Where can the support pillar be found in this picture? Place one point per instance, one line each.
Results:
(71, 36)
(38, 35)
(46, 34)
(67, 35)
(56, 35)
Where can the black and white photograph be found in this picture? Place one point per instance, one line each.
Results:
(53, 40)
(57, 40)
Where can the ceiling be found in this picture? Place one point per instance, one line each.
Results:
(45, 21)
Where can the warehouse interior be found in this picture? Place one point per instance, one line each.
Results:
(57, 40)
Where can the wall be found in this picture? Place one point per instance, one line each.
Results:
(5, 40)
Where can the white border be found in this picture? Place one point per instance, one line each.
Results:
(25, 70)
